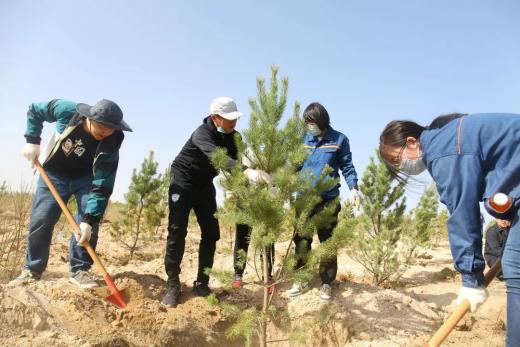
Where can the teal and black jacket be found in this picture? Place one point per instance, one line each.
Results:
(106, 159)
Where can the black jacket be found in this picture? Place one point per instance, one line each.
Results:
(193, 164)
(495, 242)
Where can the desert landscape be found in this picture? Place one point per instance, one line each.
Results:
(54, 312)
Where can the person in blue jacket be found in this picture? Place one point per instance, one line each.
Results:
(81, 160)
(470, 157)
(325, 147)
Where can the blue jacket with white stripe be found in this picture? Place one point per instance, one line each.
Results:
(470, 159)
(333, 149)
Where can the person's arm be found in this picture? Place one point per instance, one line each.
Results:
(459, 179)
(493, 248)
(104, 178)
(203, 139)
(346, 165)
(57, 110)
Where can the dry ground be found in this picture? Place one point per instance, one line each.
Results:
(53, 312)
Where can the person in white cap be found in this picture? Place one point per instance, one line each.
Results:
(191, 187)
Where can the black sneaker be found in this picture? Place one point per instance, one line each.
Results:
(173, 293)
(201, 289)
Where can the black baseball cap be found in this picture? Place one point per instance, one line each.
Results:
(105, 112)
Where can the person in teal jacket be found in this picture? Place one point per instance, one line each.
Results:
(470, 158)
(81, 160)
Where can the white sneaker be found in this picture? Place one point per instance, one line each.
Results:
(297, 289)
(83, 279)
(325, 292)
(27, 276)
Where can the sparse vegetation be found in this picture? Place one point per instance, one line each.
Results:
(15, 207)
(272, 209)
(422, 224)
(379, 229)
(145, 206)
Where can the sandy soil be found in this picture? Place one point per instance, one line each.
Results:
(53, 312)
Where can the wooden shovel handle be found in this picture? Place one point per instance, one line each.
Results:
(461, 310)
(69, 216)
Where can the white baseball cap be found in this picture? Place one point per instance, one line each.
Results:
(225, 107)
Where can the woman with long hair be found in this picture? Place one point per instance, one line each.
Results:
(470, 158)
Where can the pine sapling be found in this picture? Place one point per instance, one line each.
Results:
(274, 210)
(140, 215)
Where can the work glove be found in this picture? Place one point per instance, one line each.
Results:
(31, 152)
(85, 232)
(475, 296)
(228, 195)
(258, 176)
(355, 198)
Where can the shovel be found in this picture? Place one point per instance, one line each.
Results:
(501, 203)
(461, 310)
(116, 296)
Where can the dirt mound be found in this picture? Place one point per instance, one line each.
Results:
(58, 306)
(54, 312)
(364, 313)
(22, 313)
(25, 320)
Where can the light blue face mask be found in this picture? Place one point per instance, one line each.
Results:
(412, 166)
(313, 129)
(221, 130)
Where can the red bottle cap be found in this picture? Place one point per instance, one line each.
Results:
(500, 202)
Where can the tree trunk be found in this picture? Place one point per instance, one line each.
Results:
(265, 305)
(137, 231)
(410, 255)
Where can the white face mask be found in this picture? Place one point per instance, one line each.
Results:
(412, 166)
(221, 130)
(313, 129)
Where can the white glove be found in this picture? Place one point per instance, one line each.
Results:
(228, 194)
(475, 296)
(248, 157)
(258, 176)
(85, 232)
(355, 198)
(31, 152)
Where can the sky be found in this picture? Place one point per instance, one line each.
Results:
(368, 62)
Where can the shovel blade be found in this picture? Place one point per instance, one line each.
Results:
(115, 296)
(116, 299)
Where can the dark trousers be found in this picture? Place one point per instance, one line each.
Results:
(328, 267)
(183, 198)
(242, 238)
